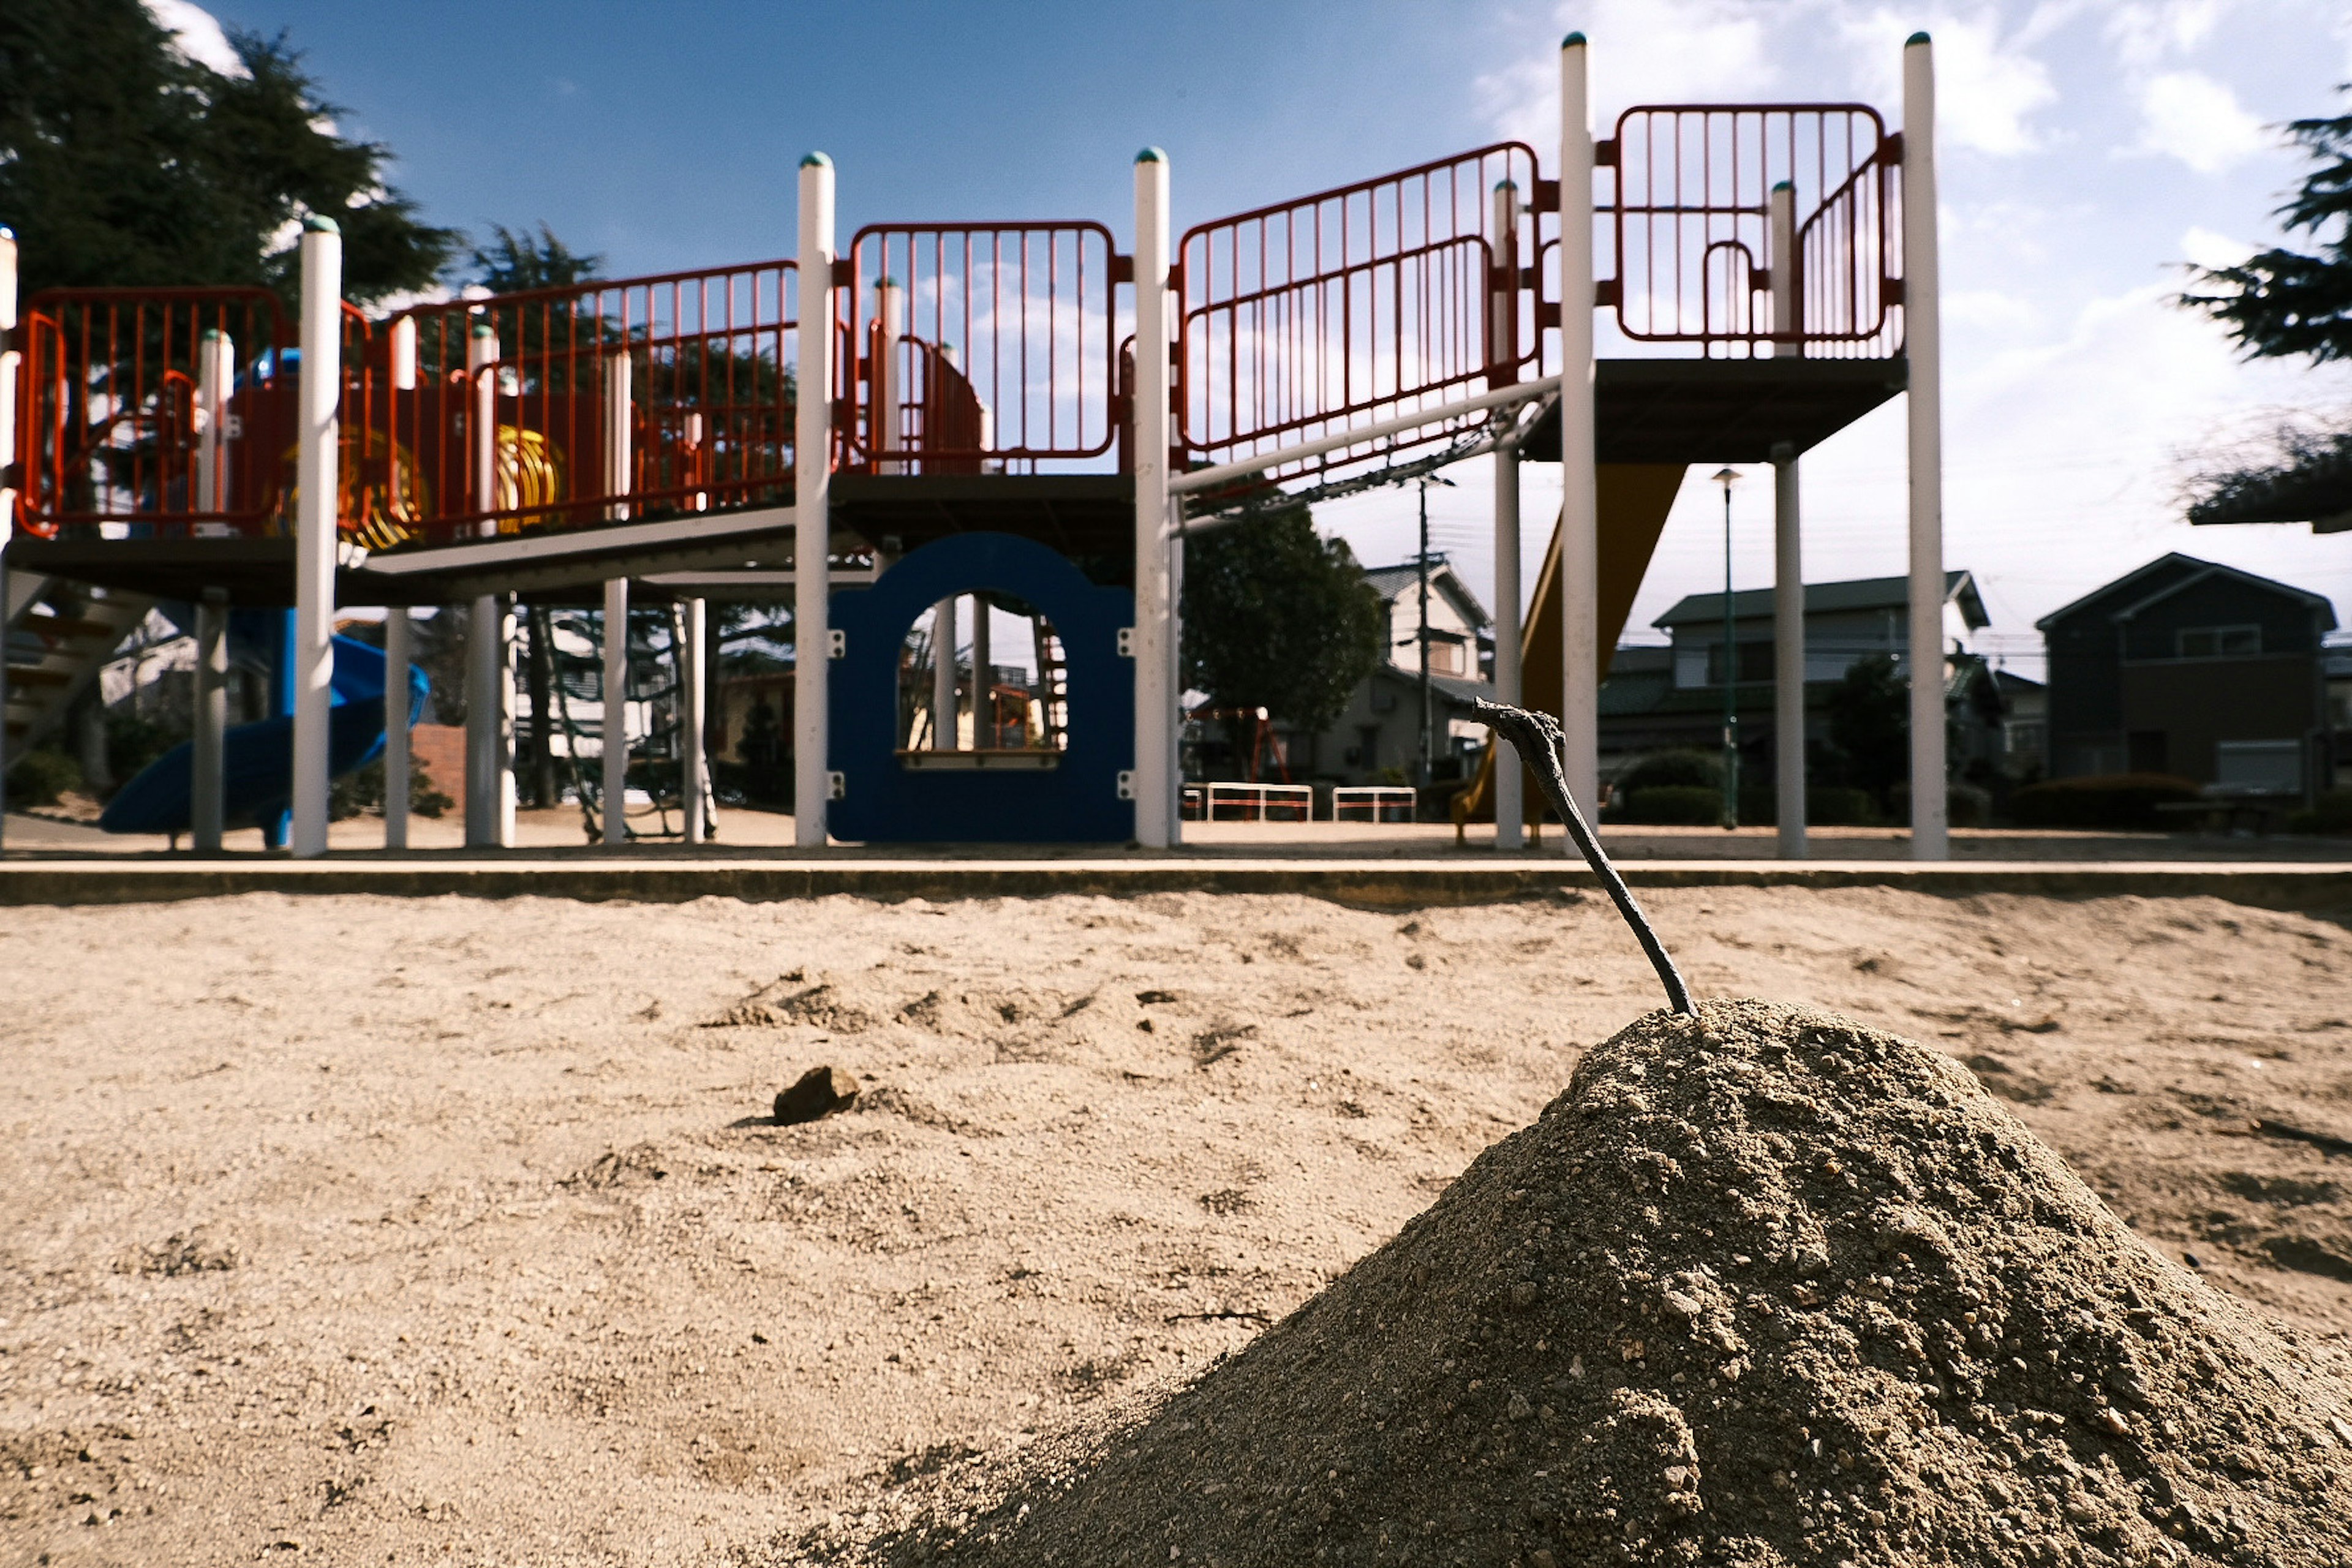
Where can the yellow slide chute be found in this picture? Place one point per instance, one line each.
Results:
(1635, 500)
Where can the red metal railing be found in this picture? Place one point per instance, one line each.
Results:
(506, 415)
(1689, 227)
(167, 413)
(978, 347)
(1302, 318)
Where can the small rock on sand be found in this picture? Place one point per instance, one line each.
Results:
(820, 1093)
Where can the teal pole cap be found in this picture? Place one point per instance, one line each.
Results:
(1916, 40)
(817, 161)
(1573, 41)
(318, 223)
(1151, 155)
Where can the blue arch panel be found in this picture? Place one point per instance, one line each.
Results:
(1076, 802)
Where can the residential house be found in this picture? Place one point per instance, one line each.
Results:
(2193, 669)
(1377, 738)
(1662, 698)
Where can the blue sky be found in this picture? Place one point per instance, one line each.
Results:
(2088, 150)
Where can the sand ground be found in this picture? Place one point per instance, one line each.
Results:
(356, 1229)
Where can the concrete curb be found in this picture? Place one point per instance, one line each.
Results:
(1379, 883)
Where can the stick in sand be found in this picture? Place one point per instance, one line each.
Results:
(1538, 738)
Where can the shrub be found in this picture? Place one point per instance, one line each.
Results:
(2331, 816)
(1840, 806)
(39, 777)
(1681, 769)
(2105, 800)
(1678, 805)
(361, 791)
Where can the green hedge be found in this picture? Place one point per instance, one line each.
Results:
(1686, 769)
(1965, 804)
(2331, 817)
(1673, 805)
(39, 777)
(2105, 800)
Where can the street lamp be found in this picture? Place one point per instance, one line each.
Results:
(1726, 477)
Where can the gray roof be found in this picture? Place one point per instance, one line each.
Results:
(1391, 581)
(2167, 576)
(1828, 598)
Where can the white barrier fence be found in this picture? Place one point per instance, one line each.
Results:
(1371, 802)
(1249, 803)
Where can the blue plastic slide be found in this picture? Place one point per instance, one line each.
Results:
(257, 759)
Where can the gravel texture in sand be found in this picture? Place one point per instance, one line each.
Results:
(1763, 1288)
(388, 1230)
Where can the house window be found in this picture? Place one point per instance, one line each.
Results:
(1755, 662)
(2218, 642)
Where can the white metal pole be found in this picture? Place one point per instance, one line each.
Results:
(1510, 828)
(315, 476)
(10, 359)
(403, 354)
(693, 714)
(215, 372)
(489, 700)
(984, 702)
(1155, 697)
(205, 807)
(811, 499)
(620, 471)
(1923, 343)
(1580, 503)
(1781, 208)
(398, 655)
(1788, 656)
(943, 675)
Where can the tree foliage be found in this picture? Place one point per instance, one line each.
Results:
(1869, 714)
(2282, 303)
(124, 164)
(2285, 304)
(1276, 616)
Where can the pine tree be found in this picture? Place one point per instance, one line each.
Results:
(124, 164)
(2284, 304)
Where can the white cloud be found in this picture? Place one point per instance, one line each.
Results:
(2190, 116)
(2146, 35)
(2203, 247)
(1987, 88)
(1642, 51)
(198, 33)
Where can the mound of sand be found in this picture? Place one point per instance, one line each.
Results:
(1764, 1287)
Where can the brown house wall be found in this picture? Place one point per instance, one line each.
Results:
(2198, 702)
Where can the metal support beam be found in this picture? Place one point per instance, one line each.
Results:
(615, 737)
(1155, 785)
(1787, 661)
(943, 675)
(984, 704)
(1510, 826)
(1923, 344)
(316, 466)
(10, 358)
(205, 783)
(489, 667)
(812, 500)
(693, 715)
(399, 654)
(1580, 503)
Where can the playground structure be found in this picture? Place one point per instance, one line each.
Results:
(1000, 417)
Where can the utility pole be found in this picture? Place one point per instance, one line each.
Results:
(1428, 705)
(1726, 477)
